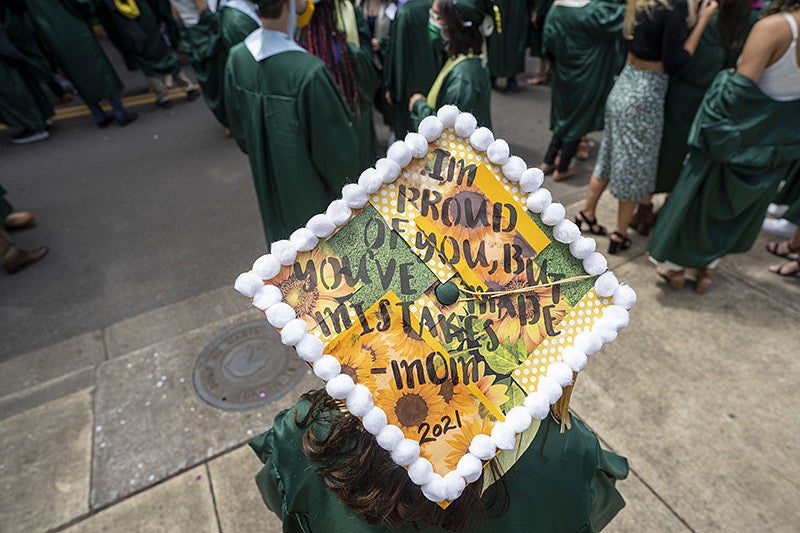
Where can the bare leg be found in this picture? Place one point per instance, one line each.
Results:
(596, 188)
(624, 216)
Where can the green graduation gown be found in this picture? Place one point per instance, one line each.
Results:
(685, 92)
(201, 44)
(790, 194)
(286, 113)
(22, 102)
(563, 482)
(148, 52)
(585, 46)
(62, 25)
(541, 7)
(412, 61)
(20, 30)
(5, 207)
(368, 83)
(507, 47)
(741, 145)
(467, 87)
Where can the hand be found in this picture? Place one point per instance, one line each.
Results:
(389, 98)
(375, 44)
(707, 9)
(413, 99)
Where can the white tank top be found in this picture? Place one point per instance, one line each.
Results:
(781, 80)
(187, 12)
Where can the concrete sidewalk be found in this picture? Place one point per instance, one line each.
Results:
(105, 432)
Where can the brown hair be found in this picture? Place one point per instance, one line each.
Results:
(272, 11)
(364, 477)
(779, 6)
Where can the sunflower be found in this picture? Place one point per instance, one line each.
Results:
(458, 397)
(508, 318)
(357, 363)
(497, 246)
(304, 291)
(495, 393)
(409, 408)
(400, 341)
(457, 442)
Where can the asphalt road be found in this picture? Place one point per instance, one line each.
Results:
(157, 212)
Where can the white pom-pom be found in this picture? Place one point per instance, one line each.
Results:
(550, 388)
(321, 225)
(370, 180)
(624, 296)
(514, 168)
(498, 152)
(359, 401)
(465, 124)
(293, 332)
(354, 195)
(388, 169)
(560, 373)
(267, 296)
(430, 128)
(503, 436)
(435, 489)
(588, 342)
(421, 470)
(267, 266)
(339, 212)
(303, 239)
(469, 467)
(309, 349)
(482, 447)
(530, 180)
(340, 386)
(375, 420)
(417, 144)
(606, 330)
(595, 264)
(553, 214)
(399, 153)
(537, 405)
(448, 115)
(248, 284)
(406, 452)
(538, 200)
(481, 139)
(280, 314)
(519, 419)
(454, 485)
(327, 367)
(283, 251)
(389, 437)
(617, 315)
(606, 284)
(582, 247)
(566, 231)
(574, 358)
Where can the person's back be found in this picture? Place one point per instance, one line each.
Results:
(780, 80)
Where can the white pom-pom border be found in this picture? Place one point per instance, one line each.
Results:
(358, 399)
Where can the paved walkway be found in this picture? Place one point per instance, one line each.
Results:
(104, 431)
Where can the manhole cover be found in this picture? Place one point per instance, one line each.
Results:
(246, 367)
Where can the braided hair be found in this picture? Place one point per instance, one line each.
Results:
(324, 39)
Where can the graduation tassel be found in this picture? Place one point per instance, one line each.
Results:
(498, 23)
(560, 409)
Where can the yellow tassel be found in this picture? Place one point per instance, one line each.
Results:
(128, 8)
(560, 409)
(498, 23)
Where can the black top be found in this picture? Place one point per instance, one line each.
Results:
(660, 35)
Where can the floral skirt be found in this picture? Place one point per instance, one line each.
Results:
(634, 122)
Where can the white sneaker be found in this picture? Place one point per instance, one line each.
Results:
(780, 227)
(776, 210)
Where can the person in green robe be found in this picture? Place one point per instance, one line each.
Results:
(506, 45)
(286, 113)
(64, 26)
(414, 57)
(719, 48)
(351, 68)
(560, 481)
(143, 47)
(22, 103)
(729, 177)
(539, 12)
(583, 40)
(463, 80)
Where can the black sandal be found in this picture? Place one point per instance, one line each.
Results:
(581, 219)
(615, 246)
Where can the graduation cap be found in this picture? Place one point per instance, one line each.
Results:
(483, 12)
(445, 300)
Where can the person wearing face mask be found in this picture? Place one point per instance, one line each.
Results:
(287, 115)
(464, 80)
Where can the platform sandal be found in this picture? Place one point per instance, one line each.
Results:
(594, 227)
(617, 246)
(644, 219)
(674, 278)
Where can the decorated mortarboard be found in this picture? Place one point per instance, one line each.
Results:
(445, 299)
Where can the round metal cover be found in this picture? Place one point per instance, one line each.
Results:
(246, 367)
